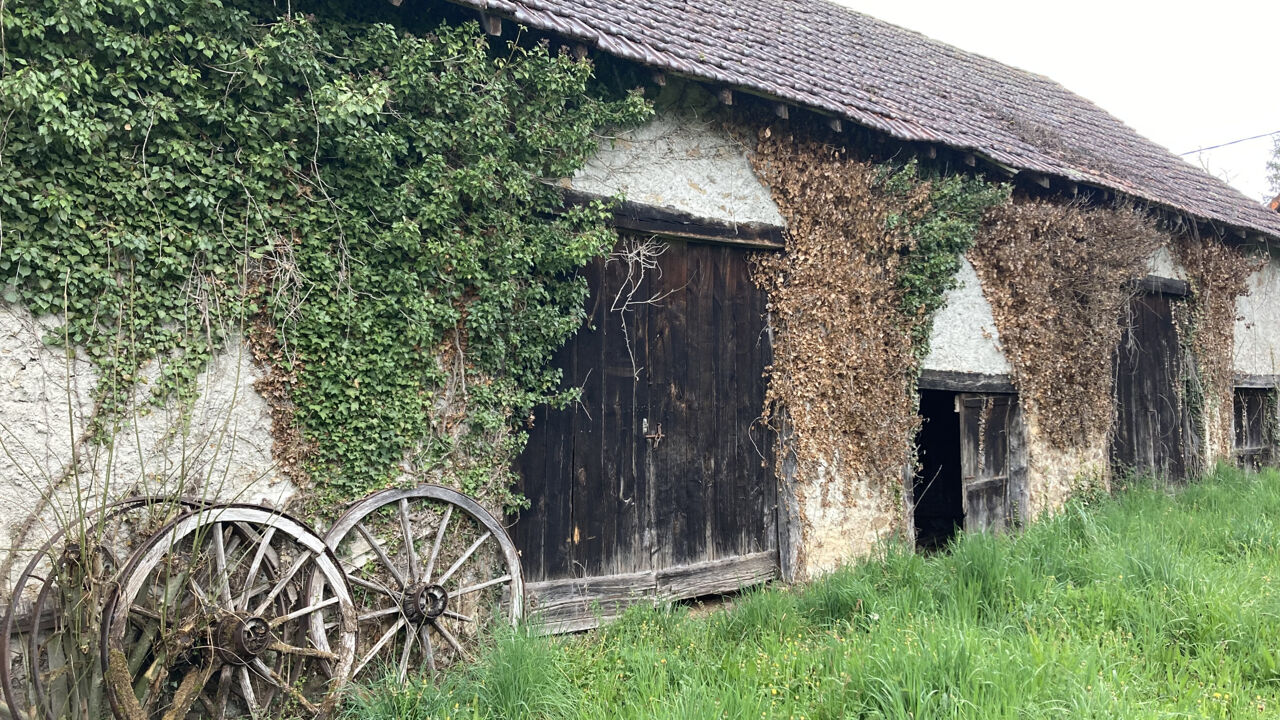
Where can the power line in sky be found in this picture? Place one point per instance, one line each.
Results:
(1233, 142)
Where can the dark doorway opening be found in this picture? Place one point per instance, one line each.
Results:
(937, 489)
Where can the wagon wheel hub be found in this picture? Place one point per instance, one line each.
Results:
(241, 638)
(424, 601)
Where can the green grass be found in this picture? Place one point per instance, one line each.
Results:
(1150, 605)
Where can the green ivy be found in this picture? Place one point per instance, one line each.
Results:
(942, 233)
(172, 170)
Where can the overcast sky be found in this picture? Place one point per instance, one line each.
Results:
(1186, 75)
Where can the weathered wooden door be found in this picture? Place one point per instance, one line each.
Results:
(993, 463)
(659, 483)
(1152, 434)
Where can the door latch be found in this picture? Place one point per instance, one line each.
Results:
(654, 437)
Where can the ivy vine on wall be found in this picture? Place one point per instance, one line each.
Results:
(1219, 275)
(872, 249)
(1058, 276)
(365, 189)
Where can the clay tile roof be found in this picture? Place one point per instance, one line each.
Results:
(827, 57)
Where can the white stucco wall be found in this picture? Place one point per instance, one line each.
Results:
(683, 162)
(1163, 265)
(218, 448)
(1257, 331)
(964, 336)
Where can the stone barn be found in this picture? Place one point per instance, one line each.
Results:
(867, 286)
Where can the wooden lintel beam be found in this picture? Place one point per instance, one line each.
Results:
(725, 95)
(835, 124)
(395, 3)
(1240, 233)
(492, 24)
(1041, 180)
(666, 222)
(781, 110)
(660, 79)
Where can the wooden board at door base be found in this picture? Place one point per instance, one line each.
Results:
(661, 464)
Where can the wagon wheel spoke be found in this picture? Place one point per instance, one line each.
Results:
(382, 641)
(264, 544)
(453, 641)
(301, 651)
(465, 557)
(458, 616)
(393, 610)
(424, 636)
(226, 677)
(222, 577)
(382, 555)
(274, 678)
(246, 691)
(404, 655)
(407, 529)
(282, 583)
(303, 612)
(481, 586)
(369, 584)
(435, 547)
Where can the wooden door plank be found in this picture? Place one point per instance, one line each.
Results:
(623, 495)
(701, 436)
(666, 457)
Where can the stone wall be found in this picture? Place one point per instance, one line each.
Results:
(218, 447)
(1257, 330)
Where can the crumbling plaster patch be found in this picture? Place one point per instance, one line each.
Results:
(1163, 265)
(218, 447)
(1257, 327)
(681, 160)
(964, 336)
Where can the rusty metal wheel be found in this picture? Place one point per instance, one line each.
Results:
(49, 661)
(212, 618)
(431, 571)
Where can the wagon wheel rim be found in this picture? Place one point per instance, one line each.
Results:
(27, 667)
(202, 625)
(429, 580)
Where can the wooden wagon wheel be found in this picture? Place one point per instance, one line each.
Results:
(201, 625)
(423, 562)
(49, 664)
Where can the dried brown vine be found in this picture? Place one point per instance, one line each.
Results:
(1058, 276)
(1218, 275)
(843, 366)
